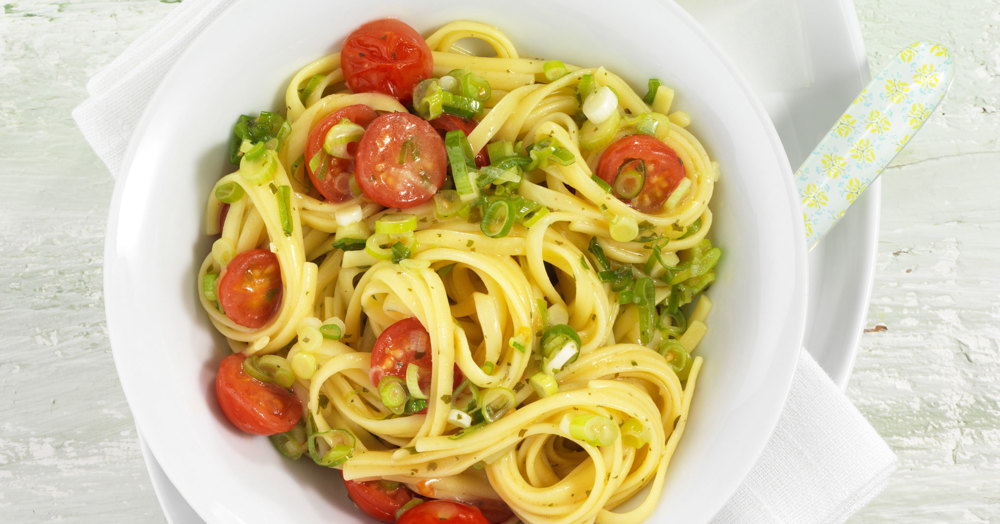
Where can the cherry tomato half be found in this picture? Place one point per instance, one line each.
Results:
(400, 161)
(386, 56)
(399, 345)
(442, 512)
(251, 405)
(445, 123)
(250, 288)
(663, 169)
(379, 498)
(331, 176)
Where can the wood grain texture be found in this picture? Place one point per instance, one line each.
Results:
(926, 372)
(925, 376)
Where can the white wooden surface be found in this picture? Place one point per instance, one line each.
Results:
(925, 376)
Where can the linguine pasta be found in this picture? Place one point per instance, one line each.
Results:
(583, 258)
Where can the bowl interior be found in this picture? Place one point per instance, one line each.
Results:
(166, 351)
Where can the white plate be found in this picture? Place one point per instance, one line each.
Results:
(166, 352)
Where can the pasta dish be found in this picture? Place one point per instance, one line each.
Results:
(471, 283)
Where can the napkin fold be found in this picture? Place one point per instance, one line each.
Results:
(823, 462)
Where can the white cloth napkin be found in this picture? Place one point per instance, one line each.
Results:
(824, 461)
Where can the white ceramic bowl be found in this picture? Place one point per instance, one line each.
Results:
(167, 352)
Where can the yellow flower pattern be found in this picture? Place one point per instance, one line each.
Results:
(845, 125)
(833, 165)
(876, 126)
(896, 90)
(863, 150)
(877, 122)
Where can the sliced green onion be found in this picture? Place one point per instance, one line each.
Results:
(428, 99)
(459, 418)
(488, 367)
(349, 244)
(554, 338)
(223, 251)
(284, 196)
(460, 156)
(413, 381)
(378, 246)
(415, 405)
(677, 356)
(396, 223)
(292, 443)
(533, 217)
(596, 430)
(229, 192)
(460, 106)
(623, 228)
(393, 393)
(635, 434)
(600, 105)
(406, 507)
(261, 170)
(654, 84)
(498, 218)
(594, 136)
(447, 202)
(595, 249)
(254, 151)
(499, 150)
(548, 149)
(497, 402)
(705, 262)
(586, 86)
(471, 85)
(554, 70)
(678, 193)
(339, 136)
(304, 365)
(544, 384)
(208, 282)
(630, 179)
(264, 128)
(310, 86)
(601, 183)
(331, 331)
(339, 452)
(269, 368)
(400, 252)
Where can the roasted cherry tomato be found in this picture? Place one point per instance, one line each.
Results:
(251, 405)
(662, 169)
(445, 123)
(386, 56)
(399, 345)
(250, 288)
(401, 161)
(442, 512)
(379, 498)
(331, 176)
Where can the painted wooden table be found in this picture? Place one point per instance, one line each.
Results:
(925, 376)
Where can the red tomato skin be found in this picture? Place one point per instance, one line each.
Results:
(386, 56)
(372, 497)
(249, 289)
(664, 169)
(335, 185)
(383, 177)
(394, 350)
(442, 512)
(445, 123)
(253, 406)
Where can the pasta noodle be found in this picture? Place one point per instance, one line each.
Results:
(585, 258)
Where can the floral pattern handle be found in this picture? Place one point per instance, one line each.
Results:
(875, 127)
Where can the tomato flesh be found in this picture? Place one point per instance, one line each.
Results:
(401, 161)
(442, 512)
(331, 176)
(253, 406)
(386, 56)
(663, 169)
(378, 498)
(401, 344)
(250, 288)
(445, 123)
